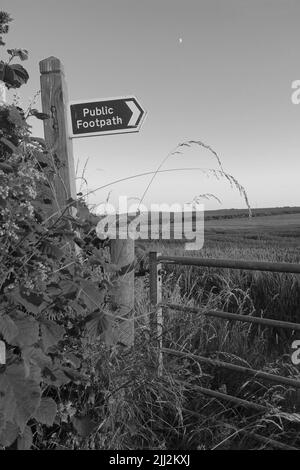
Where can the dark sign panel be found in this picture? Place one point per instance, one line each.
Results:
(110, 116)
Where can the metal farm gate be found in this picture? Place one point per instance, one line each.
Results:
(157, 305)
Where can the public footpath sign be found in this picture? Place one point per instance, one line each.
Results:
(108, 116)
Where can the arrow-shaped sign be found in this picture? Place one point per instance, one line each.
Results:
(109, 116)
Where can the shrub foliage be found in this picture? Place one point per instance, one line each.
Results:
(49, 294)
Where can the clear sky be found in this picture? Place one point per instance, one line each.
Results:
(219, 71)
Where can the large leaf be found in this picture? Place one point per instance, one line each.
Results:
(55, 377)
(80, 311)
(46, 412)
(8, 328)
(15, 75)
(8, 434)
(20, 396)
(53, 289)
(34, 303)
(32, 355)
(96, 324)
(28, 332)
(69, 289)
(93, 297)
(51, 333)
(25, 440)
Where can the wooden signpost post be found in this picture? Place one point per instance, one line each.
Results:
(122, 254)
(55, 104)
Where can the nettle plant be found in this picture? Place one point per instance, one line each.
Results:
(50, 298)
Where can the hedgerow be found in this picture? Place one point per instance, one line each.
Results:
(51, 296)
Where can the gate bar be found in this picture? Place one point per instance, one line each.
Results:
(224, 396)
(236, 317)
(233, 264)
(156, 316)
(245, 370)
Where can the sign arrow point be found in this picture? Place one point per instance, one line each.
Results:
(135, 113)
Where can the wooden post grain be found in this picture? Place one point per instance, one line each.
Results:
(55, 103)
(156, 313)
(122, 293)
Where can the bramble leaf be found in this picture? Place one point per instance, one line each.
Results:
(55, 377)
(46, 412)
(21, 53)
(33, 303)
(15, 75)
(8, 328)
(28, 331)
(93, 297)
(20, 395)
(52, 333)
(34, 355)
(25, 440)
(8, 434)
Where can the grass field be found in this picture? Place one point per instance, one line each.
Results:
(238, 213)
(266, 225)
(259, 223)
